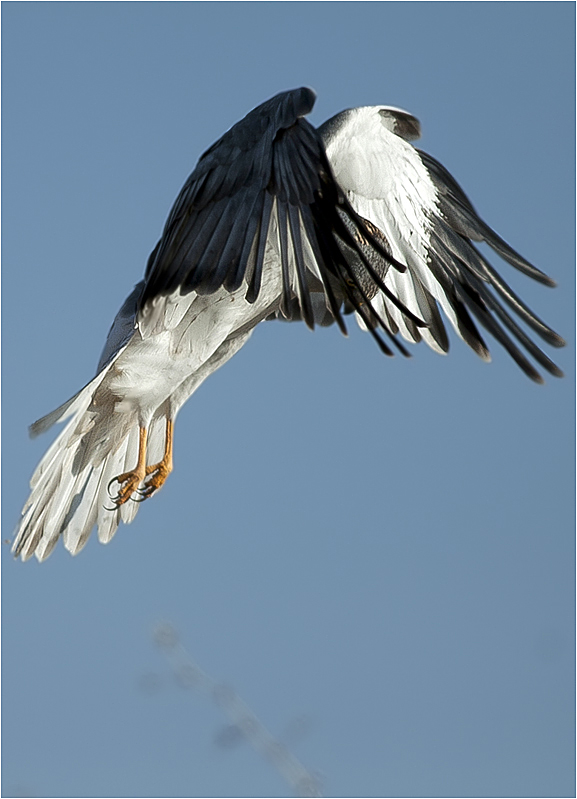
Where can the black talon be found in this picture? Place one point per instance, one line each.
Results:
(143, 495)
(114, 480)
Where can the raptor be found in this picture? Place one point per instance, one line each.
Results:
(279, 220)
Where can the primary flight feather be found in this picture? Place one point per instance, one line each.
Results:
(279, 220)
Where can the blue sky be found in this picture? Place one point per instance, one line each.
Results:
(382, 547)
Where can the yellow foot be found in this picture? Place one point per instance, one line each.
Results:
(129, 481)
(128, 485)
(156, 474)
(155, 478)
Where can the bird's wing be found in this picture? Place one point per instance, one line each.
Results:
(399, 122)
(265, 181)
(430, 226)
(119, 335)
(122, 328)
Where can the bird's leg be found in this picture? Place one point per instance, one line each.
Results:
(129, 481)
(156, 474)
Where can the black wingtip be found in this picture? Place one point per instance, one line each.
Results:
(555, 339)
(538, 275)
(304, 99)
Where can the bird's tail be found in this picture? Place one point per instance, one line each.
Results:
(70, 487)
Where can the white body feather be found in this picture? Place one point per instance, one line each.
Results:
(147, 380)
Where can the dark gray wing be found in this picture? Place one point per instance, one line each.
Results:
(459, 266)
(271, 165)
(122, 328)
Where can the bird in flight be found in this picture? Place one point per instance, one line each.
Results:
(279, 220)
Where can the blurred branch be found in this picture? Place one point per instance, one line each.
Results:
(244, 723)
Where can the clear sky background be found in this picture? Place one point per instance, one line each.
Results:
(376, 554)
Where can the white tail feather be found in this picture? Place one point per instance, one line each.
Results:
(130, 508)
(69, 489)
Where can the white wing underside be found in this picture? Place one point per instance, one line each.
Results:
(386, 182)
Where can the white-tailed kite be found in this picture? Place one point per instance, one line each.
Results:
(279, 220)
